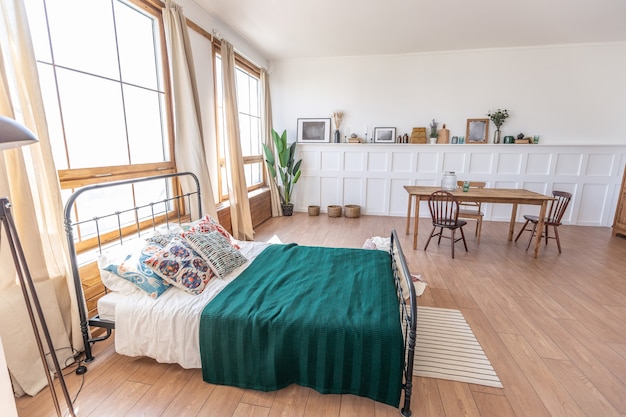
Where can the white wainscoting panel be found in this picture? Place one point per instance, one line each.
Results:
(374, 175)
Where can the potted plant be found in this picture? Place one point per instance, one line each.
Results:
(287, 169)
(498, 117)
(433, 131)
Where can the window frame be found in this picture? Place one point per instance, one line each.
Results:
(247, 66)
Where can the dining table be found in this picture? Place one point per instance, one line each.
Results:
(512, 196)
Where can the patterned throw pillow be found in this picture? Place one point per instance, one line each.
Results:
(217, 251)
(131, 267)
(209, 224)
(178, 264)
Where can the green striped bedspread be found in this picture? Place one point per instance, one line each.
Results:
(325, 318)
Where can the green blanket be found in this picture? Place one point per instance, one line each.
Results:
(324, 318)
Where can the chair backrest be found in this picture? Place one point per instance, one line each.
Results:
(472, 184)
(558, 206)
(444, 208)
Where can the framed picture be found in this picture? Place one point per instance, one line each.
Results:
(314, 130)
(385, 134)
(477, 130)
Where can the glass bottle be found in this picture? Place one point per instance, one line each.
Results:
(448, 181)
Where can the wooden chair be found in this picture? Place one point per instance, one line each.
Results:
(472, 210)
(444, 210)
(555, 214)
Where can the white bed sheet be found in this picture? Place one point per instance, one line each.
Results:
(166, 328)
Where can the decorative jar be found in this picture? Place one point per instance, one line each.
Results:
(448, 181)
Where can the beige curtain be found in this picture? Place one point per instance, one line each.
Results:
(189, 141)
(28, 178)
(267, 135)
(237, 190)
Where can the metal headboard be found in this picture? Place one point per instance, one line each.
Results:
(70, 224)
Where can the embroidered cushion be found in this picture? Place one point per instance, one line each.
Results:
(178, 264)
(128, 263)
(221, 256)
(209, 224)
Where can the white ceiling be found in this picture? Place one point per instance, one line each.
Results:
(283, 29)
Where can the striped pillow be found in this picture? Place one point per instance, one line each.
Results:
(217, 251)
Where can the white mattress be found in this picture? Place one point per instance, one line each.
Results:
(166, 328)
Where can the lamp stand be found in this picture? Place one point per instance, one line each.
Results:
(31, 299)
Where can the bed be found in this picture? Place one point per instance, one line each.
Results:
(258, 315)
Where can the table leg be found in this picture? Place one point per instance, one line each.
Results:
(540, 226)
(416, 220)
(512, 224)
(408, 215)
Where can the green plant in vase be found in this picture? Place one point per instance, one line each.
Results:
(498, 117)
(287, 168)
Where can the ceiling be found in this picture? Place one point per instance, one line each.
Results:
(285, 29)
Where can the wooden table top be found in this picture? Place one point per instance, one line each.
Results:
(483, 195)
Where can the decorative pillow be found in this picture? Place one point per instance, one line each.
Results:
(221, 256)
(178, 264)
(209, 224)
(130, 266)
(163, 239)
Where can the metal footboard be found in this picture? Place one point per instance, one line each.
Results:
(142, 224)
(408, 316)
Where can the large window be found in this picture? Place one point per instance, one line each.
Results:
(249, 107)
(103, 81)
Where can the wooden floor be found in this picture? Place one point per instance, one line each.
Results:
(553, 327)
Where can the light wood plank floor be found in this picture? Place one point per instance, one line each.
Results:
(553, 328)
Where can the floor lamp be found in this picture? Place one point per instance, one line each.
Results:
(13, 135)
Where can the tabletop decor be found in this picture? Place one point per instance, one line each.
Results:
(337, 118)
(498, 117)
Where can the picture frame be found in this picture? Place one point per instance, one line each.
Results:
(313, 130)
(384, 135)
(477, 131)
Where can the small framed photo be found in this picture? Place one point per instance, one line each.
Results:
(384, 134)
(314, 130)
(477, 130)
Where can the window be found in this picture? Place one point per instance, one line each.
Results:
(102, 73)
(249, 107)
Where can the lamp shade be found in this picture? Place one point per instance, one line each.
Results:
(13, 134)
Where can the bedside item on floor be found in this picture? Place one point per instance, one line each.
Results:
(448, 181)
(314, 210)
(334, 211)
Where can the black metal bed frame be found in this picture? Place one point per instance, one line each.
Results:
(407, 302)
(96, 321)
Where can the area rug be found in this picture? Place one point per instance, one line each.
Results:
(446, 348)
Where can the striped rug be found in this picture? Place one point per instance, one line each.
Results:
(446, 348)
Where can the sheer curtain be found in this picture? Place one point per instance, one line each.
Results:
(240, 216)
(189, 141)
(28, 178)
(267, 134)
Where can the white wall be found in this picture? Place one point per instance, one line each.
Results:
(566, 94)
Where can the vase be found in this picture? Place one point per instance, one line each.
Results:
(337, 136)
(496, 136)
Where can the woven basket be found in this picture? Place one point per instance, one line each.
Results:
(334, 211)
(352, 210)
(314, 210)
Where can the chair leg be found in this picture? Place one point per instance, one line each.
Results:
(440, 236)
(452, 232)
(558, 241)
(432, 233)
(479, 227)
(523, 228)
(531, 235)
(463, 236)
